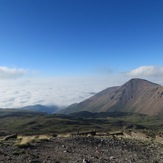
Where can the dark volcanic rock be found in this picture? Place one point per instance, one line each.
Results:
(83, 149)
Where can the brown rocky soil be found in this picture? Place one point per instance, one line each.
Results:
(82, 150)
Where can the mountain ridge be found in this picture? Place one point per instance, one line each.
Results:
(137, 95)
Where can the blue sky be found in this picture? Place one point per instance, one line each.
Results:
(65, 38)
(70, 37)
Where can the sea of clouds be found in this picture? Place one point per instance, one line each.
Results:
(18, 90)
(19, 93)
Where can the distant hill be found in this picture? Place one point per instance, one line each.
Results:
(86, 114)
(137, 95)
(41, 108)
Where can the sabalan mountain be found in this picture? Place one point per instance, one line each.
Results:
(137, 95)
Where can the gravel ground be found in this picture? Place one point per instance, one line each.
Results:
(82, 150)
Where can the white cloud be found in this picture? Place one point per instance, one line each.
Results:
(11, 73)
(146, 71)
(61, 92)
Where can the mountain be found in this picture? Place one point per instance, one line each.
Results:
(41, 108)
(137, 95)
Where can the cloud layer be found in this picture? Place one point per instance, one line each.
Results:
(146, 71)
(47, 91)
(10, 73)
(50, 92)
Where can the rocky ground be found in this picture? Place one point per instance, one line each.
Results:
(82, 150)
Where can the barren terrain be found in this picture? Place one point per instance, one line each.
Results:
(82, 149)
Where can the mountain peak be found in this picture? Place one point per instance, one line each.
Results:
(140, 81)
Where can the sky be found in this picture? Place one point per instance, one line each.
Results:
(63, 51)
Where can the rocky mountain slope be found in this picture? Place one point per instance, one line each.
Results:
(137, 95)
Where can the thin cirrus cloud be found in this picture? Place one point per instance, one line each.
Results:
(146, 71)
(11, 73)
